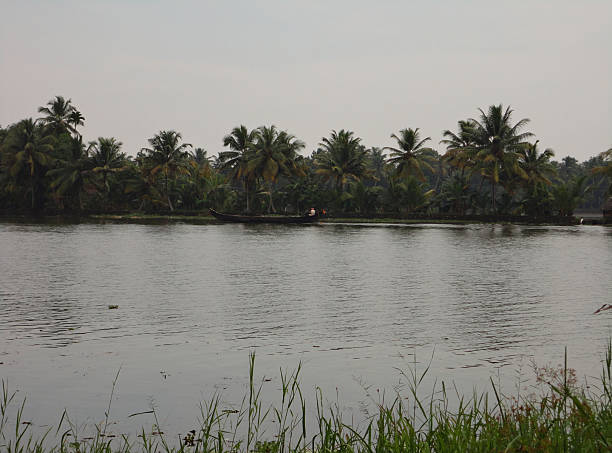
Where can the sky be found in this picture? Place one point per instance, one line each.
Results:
(135, 67)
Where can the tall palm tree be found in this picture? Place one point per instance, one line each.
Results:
(377, 164)
(341, 159)
(168, 157)
(239, 142)
(76, 119)
(106, 158)
(535, 165)
(460, 146)
(497, 143)
(57, 115)
(273, 153)
(71, 174)
(29, 154)
(606, 169)
(410, 157)
(200, 156)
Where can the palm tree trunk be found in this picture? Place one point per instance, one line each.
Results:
(246, 191)
(271, 207)
(106, 193)
(168, 191)
(32, 190)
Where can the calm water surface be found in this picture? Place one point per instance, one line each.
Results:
(352, 302)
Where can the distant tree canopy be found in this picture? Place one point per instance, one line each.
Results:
(491, 165)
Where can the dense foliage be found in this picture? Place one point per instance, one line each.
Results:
(490, 165)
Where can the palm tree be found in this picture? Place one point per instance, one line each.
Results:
(497, 143)
(567, 196)
(411, 156)
(341, 159)
(75, 120)
(535, 165)
(273, 153)
(606, 169)
(58, 115)
(71, 174)
(168, 156)
(200, 157)
(377, 164)
(106, 158)
(29, 153)
(239, 141)
(460, 146)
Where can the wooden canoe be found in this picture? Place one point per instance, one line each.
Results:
(263, 219)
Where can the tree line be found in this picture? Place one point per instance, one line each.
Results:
(490, 165)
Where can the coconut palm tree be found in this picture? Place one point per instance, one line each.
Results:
(71, 174)
(200, 157)
(239, 142)
(497, 143)
(168, 157)
(28, 154)
(341, 159)
(606, 169)
(410, 157)
(105, 159)
(273, 153)
(460, 146)
(377, 164)
(58, 115)
(76, 119)
(535, 165)
(567, 196)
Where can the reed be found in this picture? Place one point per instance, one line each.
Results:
(561, 416)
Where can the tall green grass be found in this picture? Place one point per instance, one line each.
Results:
(561, 416)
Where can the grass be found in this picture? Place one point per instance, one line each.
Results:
(561, 416)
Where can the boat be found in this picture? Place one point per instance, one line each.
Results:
(263, 219)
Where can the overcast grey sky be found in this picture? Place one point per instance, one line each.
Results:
(134, 67)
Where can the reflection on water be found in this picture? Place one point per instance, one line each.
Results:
(347, 300)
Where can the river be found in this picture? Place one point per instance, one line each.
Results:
(352, 303)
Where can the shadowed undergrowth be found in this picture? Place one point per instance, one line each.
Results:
(558, 416)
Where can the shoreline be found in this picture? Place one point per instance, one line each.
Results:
(201, 218)
(411, 220)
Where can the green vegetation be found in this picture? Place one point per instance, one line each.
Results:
(556, 415)
(490, 166)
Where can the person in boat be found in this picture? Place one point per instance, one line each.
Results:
(312, 212)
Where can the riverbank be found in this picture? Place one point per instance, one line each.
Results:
(557, 414)
(375, 219)
(205, 218)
